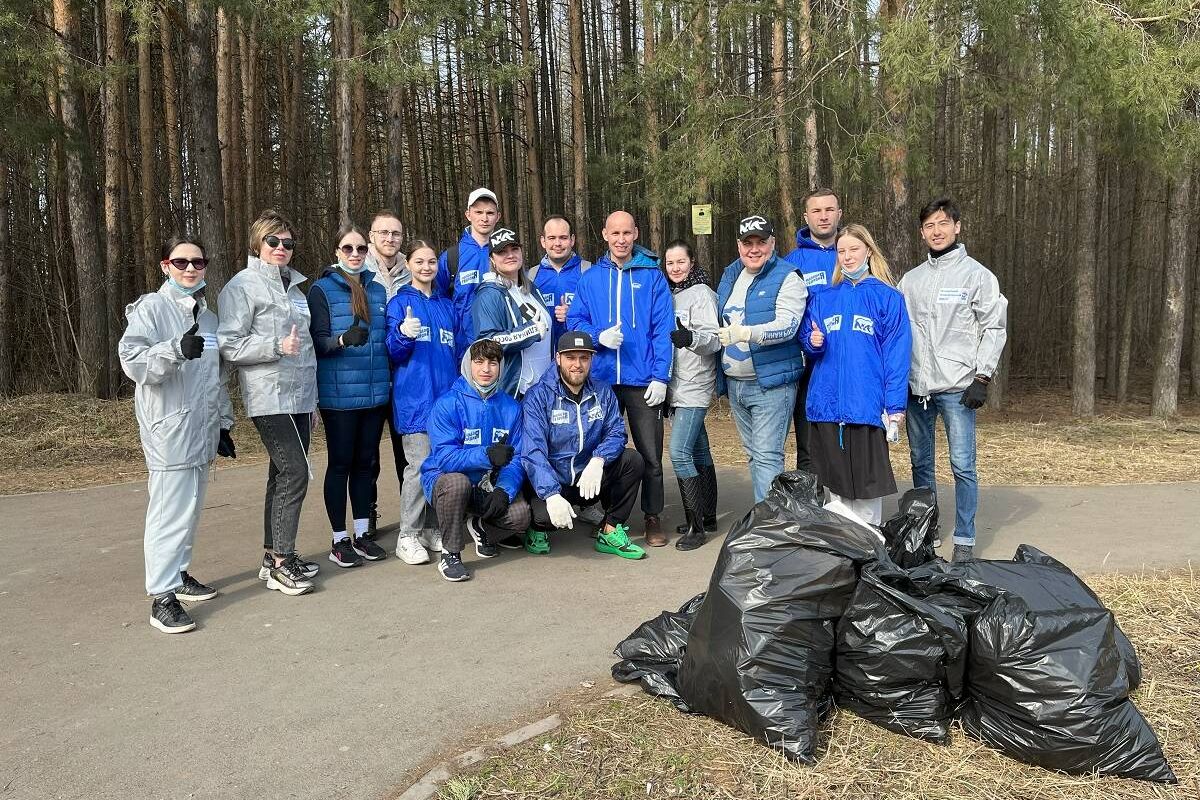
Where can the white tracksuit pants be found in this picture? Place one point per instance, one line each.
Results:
(867, 510)
(176, 499)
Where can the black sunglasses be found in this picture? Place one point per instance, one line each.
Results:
(275, 241)
(182, 263)
(349, 249)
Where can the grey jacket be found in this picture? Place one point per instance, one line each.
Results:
(958, 319)
(181, 405)
(393, 280)
(256, 313)
(694, 376)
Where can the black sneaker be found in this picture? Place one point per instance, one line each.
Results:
(289, 578)
(452, 569)
(368, 549)
(514, 542)
(193, 591)
(168, 615)
(342, 553)
(483, 546)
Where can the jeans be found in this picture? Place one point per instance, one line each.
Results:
(762, 417)
(172, 516)
(454, 497)
(959, 422)
(618, 491)
(689, 442)
(285, 437)
(646, 430)
(352, 438)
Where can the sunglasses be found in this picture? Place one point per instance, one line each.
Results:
(275, 241)
(182, 263)
(349, 249)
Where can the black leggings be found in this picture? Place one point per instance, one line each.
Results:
(352, 438)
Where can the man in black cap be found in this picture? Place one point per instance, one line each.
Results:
(573, 451)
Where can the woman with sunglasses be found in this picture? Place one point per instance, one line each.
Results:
(264, 332)
(169, 349)
(354, 387)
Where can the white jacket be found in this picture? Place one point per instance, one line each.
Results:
(694, 376)
(958, 318)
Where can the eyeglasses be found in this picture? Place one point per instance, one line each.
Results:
(390, 234)
(350, 249)
(275, 241)
(181, 264)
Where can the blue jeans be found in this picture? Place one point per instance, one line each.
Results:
(762, 417)
(959, 422)
(689, 442)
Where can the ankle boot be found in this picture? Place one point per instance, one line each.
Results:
(692, 493)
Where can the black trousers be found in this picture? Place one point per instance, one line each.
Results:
(397, 455)
(800, 422)
(646, 429)
(618, 492)
(352, 439)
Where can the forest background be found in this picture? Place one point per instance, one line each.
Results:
(1068, 130)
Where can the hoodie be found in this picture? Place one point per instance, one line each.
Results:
(424, 367)
(813, 260)
(462, 425)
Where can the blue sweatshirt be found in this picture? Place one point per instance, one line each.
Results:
(814, 261)
(426, 366)
(473, 264)
(557, 287)
(462, 425)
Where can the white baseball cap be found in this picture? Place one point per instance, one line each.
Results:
(481, 194)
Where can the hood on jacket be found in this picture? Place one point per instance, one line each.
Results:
(805, 241)
(640, 257)
(550, 378)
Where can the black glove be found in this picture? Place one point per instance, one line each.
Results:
(494, 505)
(500, 454)
(681, 336)
(225, 447)
(355, 335)
(975, 395)
(191, 345)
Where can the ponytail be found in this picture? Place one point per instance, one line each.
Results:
(358, 295)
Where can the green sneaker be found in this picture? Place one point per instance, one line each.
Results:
(537, 542)
(616, 542)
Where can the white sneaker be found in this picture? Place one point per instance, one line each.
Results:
(432, 539)
(592, 515)
(410, 551)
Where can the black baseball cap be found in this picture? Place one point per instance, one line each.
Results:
(755, 225)
(502, 238)
(575, 340)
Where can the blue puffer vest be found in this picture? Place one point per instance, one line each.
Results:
(355, 377)
(776, 364)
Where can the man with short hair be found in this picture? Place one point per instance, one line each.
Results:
(959, 319)
(471, 476)
(383, 255)
(815, 257)
(624, 304)
(462, 266)
(573, 450)
(557, 275)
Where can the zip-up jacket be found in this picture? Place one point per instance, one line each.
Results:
(777, 357)
(181, 405)
(959, 320)
(256, 311)
(473, 264)
(861, 370)
(462, 425)
(557, 287)
(813, 260)
(349, 378)
(498, 316)
(637, 298)
(560, 436)
(391, 280)
(694, 378)
(424, 367)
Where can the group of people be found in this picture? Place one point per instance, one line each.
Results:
(507, 388)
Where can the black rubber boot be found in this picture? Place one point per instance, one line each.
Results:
(708, 486)
(691, 490)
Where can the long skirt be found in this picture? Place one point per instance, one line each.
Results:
(852, 462)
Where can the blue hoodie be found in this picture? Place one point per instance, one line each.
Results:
(425, 367)
(814, 261)
(473, 264)
(560, 436)
(557, 287)
(636, 296)
(861, 371)
(496, 316)
(462, 425)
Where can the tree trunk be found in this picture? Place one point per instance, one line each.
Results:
(395, 159)
(533, 165)
(114, 173)
(783, 157)
(894, 156)
(171, 125)
(652, 126)
(578, 131)
(1083, 361)
(206, 158)
(343, 38)
(224, 119)
(148, 191)
(496, 140)
(700, 35)
(1164, 399)
(250, 130)
(360, 185)
(7, 361)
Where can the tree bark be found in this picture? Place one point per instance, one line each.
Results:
(578, 131)
(114, 173)
(148, 154)
(395, 155)
(533, 165)
(652, 127)
(343, 38)
(206, 160)
(7, 360)
(1083, 361)
(251, 137)
(224, 120)
(360, 185)
(894, 157)
(783, 157)
(1164, 398)
(171, 125)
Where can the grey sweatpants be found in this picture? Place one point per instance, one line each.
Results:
(412, 496)
(172, 516)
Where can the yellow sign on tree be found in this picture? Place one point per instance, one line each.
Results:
(702, 219)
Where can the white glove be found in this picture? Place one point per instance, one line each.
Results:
(733, 334)
(656, 392)
(589, 479)
(612, 337)
(560, 511)
(542, 327)
(411, 327)
(892, 421)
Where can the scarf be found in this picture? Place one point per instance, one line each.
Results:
(694, 278)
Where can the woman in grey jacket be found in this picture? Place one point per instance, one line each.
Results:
(693, 384)
(184, 417)
(264, 333)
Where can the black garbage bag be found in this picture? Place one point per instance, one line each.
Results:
(652, 653)
(760, 651)
(902, 649)
(909, 534)
(1049, 675)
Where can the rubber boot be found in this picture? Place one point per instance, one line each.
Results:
(691, 490)
(708, 484)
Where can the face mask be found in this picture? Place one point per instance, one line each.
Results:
(188, 290)
(346, 268)
(857, 274)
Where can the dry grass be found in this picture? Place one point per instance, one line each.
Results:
(639, 747)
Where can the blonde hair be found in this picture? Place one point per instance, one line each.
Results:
(877, 264)
(269, 222)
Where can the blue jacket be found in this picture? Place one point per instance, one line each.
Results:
(636, 296)
(473, 264)
(560, 436)
(814, 261)
(861, 371)
(424, 367)
(462, 425)
(557, 287)
(349, 378)
(776, 364)
(496, 316)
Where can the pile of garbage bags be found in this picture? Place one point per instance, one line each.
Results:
(807, 609)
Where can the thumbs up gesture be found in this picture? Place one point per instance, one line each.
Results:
(411, 327)
(191, 345)
(290, 345)
(355, 335)
(681, 336)
(815, 337)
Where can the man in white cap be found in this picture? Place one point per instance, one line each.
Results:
(463, 265)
